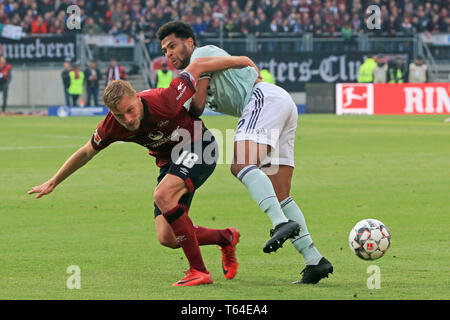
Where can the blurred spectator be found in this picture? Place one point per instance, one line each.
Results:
(116, 16)
(286, 26)
(316, 6)
(58, 27)
(421, 21)
(135, 12)
(307, 25)
(256, 27)
(318, 25)
(407, 28)
(346, 31)
(93, 77)
(103, 24)
(5, 79)
(356, 23)
(272, 9)
(39, 25)
(115, 72)
(437, 24)
(76, 84)
(3, 15)
(116, 29)
(231, 25)
(392, 26)
(199, 26)
(188, 16)
(66, 82)
(274, 27)
(365, 74)
(90, 27)
(418, 71)
(396, 71)
(163, 76)
(380, 71)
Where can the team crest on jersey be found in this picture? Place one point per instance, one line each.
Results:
(97, 138)
(158, 135)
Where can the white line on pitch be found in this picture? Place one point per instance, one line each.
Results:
(48, 147)
(38, 147)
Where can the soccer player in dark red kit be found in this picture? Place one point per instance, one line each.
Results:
(155, 119)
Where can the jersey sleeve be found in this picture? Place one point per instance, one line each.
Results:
(207, 51)
(180, 91)
(103, 135)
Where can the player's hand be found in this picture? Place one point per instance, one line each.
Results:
(253, 65)
(42, 189)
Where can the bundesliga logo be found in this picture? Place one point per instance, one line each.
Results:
(354, 99)
(97, 138)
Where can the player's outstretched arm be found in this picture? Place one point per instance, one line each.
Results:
(211, 64)
(78, 159)
(198, 102)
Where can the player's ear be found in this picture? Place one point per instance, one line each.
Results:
(190, 42)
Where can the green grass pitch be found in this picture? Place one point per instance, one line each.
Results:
(392, 168)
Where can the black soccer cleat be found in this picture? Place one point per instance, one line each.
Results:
(280, 234)
(313, 274)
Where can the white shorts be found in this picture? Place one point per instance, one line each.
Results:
(270, 118)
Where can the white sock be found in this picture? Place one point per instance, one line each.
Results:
(261, 190)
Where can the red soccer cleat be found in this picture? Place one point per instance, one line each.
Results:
(229, 261)
(194, 278)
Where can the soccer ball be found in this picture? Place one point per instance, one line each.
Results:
(369, 239)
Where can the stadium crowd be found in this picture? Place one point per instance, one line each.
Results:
(143, 17)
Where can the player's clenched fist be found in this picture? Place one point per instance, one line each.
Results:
(42, 189)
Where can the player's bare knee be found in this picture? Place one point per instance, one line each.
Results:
(158, 196)
(162, 198)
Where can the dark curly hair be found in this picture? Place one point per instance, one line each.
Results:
(180, 29)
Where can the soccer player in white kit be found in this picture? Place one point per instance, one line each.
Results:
(264, 142)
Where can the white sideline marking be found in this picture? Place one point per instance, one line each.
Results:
(57, 136)
(38, 147)
(49, 147)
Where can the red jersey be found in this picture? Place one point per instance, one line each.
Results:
(5, 71)
(164, 116)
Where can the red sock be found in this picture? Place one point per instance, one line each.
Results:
(184, 231)
(207, 236)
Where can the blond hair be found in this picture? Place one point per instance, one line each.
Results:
(114, 92)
